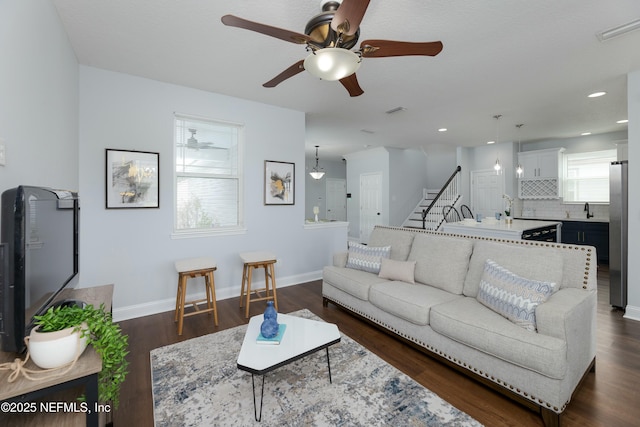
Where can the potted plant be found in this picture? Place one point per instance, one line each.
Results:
(508, 207)
(105, 336)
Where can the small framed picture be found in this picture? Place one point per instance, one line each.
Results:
(279, 183)
(132, 179)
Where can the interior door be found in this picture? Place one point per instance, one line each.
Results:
(487, 189)
(370, 203)
(336, 199)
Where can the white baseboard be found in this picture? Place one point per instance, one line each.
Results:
(632, 313)
(169, 304)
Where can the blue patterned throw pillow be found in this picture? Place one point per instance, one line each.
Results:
(366, 258)
(512, 296)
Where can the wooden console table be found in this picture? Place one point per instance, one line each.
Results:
(13, 396)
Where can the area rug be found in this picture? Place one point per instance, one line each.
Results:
(197, 383)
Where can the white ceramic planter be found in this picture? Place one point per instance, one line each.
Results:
(54, 349)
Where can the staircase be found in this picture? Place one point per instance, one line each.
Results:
(415, 218)
(428, 213)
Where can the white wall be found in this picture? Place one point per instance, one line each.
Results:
(440, 166)
(316, 189)
(581, 144)
(368, 161)
(633, 113)
(38, 97)
(133, 248)
(407, 179)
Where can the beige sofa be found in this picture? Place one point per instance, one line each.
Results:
(442, 313)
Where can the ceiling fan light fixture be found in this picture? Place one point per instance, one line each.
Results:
(332, 63)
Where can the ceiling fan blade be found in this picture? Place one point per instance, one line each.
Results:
(296, 68)
(279, 33)
(384, 48)
(350, 83)
(348, 16)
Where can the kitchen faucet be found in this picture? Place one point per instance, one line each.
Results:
(586, 209)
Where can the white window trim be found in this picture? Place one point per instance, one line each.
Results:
(564, 179)
(221, 231)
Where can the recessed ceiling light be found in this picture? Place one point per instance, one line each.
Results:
(491, 142)
(597, 94)
(622, 121)
(442, 130)
(585, 133)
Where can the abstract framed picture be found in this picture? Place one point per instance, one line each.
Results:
(132, 179)
(279, 183)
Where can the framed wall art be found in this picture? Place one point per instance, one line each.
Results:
(132, 179)
(279, 183)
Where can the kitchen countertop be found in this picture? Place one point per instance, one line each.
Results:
(578, 219)
(491, 227)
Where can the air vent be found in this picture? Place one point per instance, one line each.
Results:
(396, 110)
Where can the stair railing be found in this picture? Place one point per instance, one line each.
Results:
(448, 195)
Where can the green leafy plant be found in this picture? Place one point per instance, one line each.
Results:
(106, 338)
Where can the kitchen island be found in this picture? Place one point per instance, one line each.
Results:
(517, 229)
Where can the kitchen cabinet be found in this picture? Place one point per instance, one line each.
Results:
(542, 176)
(588, 233)
(541, 163)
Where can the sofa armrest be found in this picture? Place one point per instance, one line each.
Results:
(340, 259)
(570, 314)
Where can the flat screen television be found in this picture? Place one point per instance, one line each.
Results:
(38, 257)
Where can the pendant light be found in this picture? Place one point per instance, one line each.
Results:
(497, 167)
(519, 169)
(316, 172)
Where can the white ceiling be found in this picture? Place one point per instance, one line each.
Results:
(532, 61)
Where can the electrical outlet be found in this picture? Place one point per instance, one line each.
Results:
(3, 153)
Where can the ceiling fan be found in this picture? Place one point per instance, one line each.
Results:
(194, 144)
(329, 36)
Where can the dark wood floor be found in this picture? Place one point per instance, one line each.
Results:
(609, 397)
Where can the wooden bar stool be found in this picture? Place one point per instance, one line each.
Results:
(189, 269)
(251, 261)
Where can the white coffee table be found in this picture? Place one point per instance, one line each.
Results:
(301, 338)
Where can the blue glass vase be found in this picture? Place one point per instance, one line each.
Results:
(269, 327)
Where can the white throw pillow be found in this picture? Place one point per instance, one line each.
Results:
(397, 270)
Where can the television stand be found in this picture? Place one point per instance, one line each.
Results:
(49, 408)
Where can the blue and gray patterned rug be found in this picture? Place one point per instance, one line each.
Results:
(197, 383)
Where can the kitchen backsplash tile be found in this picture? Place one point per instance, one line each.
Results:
(555, 209)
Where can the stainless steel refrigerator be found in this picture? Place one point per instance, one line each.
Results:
(618, 233)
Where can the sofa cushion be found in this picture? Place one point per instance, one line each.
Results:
(397, 270)
(441, 261)
(366, 258)
(399, 240)
(467, 321)
(409, 302)
(353, 282)
(536, 263)
(512, 296)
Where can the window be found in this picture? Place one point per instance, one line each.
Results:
(208, 176)
(586, 176)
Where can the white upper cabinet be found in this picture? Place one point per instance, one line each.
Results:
(541, 163)
(542, 176)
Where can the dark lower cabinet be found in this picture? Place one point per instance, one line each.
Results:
(588, 233)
